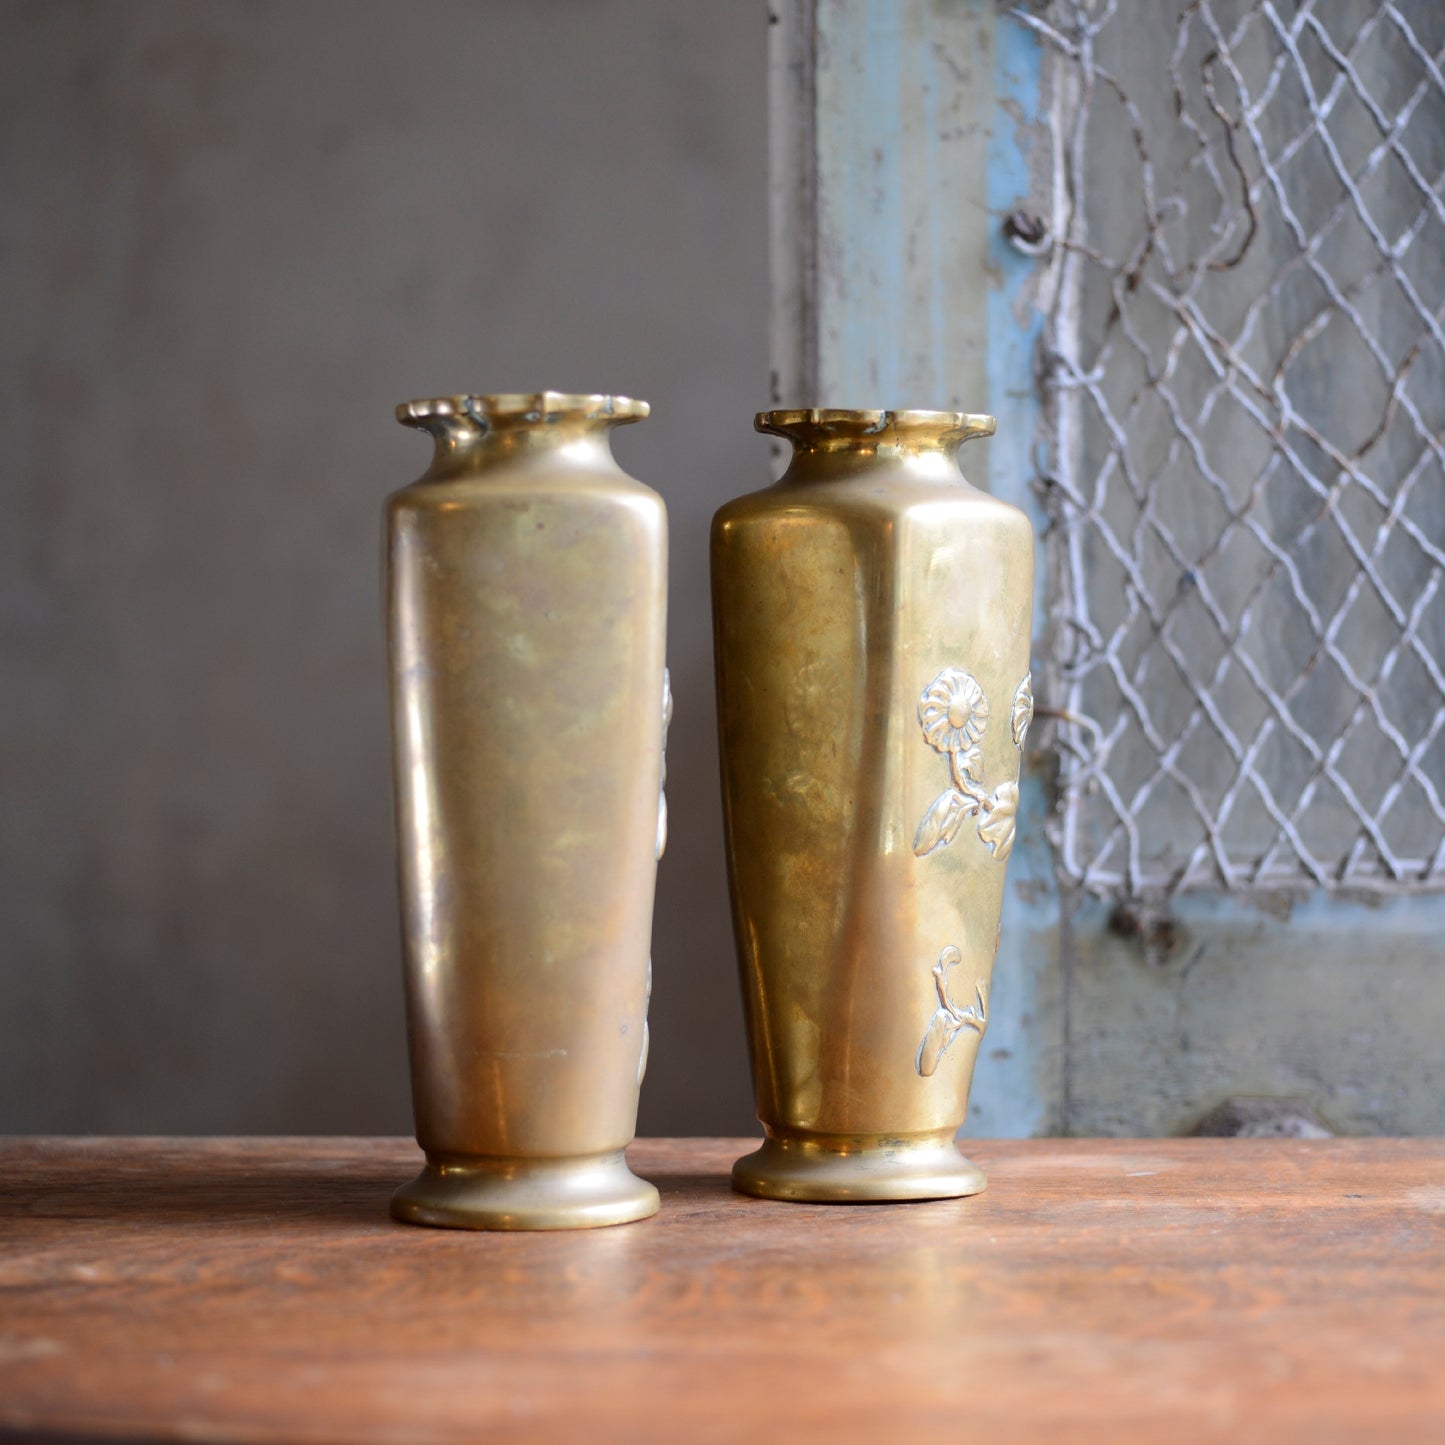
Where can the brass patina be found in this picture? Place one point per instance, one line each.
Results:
(526, 607)
(872, 615)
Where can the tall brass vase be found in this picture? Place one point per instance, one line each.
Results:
(872, 615)
(526, 607)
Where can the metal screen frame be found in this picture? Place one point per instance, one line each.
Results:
(1260, 90)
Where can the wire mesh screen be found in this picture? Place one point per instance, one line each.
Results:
(1245, 385)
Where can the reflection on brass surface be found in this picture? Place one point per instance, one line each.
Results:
(869, 594)
(526, 608)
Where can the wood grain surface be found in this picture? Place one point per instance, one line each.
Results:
(1100, 1290)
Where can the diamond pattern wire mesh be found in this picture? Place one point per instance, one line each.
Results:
(1245, 384)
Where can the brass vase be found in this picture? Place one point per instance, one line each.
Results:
(872, 615)
(526, 608)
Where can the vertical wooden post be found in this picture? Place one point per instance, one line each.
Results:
(881, 113)
(902, 133)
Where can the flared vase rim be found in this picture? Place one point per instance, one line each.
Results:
(504, 408)
(910, 425)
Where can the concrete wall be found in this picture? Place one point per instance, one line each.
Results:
(232, 238)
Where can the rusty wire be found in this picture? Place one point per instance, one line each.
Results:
(1244, 380)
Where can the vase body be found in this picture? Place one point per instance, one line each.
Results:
(872, 616)
(526, 610)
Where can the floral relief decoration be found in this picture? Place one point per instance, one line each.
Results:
(954, 714)
(948, 1020)
(661, 846)
(662, 763)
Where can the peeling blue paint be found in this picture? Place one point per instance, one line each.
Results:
(1016, 1088)
(867, 206)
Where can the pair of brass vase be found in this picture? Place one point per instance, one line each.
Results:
(872, 617)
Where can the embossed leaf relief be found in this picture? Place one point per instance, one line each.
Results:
(646, 1032)
(662, 772)
(661, 847)
(948, 1020)
(1023, 710)
(953, 712)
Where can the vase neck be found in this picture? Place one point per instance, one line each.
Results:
(470, 430)
(926, 435)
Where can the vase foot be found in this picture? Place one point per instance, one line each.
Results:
(471, 1193)
(857, 1170)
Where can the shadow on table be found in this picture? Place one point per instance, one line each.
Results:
(277, 1195)
(262, 1194)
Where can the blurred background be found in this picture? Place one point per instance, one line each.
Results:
(233, 237)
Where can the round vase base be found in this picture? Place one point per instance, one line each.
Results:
(470, 1193)
(863, 1170)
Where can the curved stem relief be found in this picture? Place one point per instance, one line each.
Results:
(949, 1020)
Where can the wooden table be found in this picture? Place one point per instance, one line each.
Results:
(257, 1290)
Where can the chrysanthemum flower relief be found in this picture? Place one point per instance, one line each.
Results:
(954, 713)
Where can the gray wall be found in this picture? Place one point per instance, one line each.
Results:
(233, 236)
